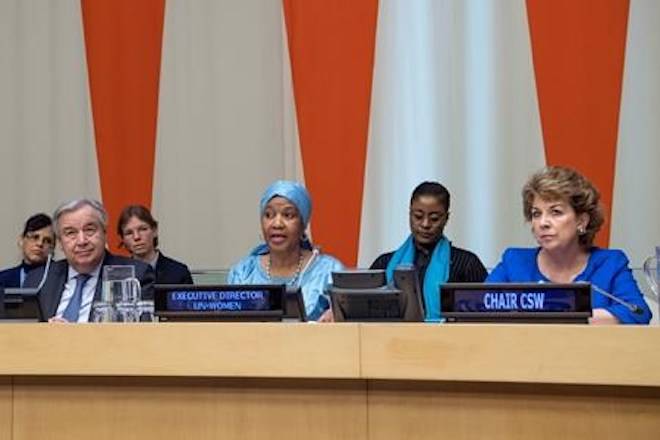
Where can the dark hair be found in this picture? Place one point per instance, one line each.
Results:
(433, 189)
(36, 222)
(561, 183)
(141, 213)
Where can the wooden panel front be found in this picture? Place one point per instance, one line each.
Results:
(135, 408)
(432, 410)
(5, 407)
(562, 354)
(182, 349)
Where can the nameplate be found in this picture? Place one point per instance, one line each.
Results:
(249, 302)
(464, 301)
(218, 300)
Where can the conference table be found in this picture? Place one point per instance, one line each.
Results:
(328, 381)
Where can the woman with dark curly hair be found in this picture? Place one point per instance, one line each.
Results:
(564, 210)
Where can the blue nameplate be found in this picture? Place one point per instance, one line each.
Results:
(506, 301)
(219, 302)
(559, 300)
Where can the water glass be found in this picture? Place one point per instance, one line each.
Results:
(126, 312)
(120, 285)
(652, 272)
(145, 311)
(101, 312)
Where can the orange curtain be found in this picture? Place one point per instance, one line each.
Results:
(331, 45)
(123, 41)
(578, 48)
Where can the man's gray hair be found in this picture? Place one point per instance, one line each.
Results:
(77, 204)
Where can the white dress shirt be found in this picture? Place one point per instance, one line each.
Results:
(87, 294)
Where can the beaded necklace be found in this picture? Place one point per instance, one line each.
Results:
(295, 275)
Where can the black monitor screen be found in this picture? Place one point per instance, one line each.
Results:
(363, 295)
(366, 304)
(359, 279)
(19, 304)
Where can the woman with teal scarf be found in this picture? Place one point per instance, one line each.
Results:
(430, 251)
(286, 255)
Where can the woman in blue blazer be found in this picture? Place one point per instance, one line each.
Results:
(563, 209)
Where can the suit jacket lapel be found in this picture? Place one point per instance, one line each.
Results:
(55, 283)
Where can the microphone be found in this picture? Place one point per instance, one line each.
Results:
(45, 275)
(632, 307)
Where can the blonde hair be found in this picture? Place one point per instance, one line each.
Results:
(561, 183)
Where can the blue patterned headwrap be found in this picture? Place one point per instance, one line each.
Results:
(292, 191)
(296, 194)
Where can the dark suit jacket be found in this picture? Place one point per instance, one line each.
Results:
(51, 292)
(464, 266)
(11, 277)
(169, 271)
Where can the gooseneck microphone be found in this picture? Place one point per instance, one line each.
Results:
(45, 275)
(632, 307)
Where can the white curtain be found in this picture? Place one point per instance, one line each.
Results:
(224, 128)
(46, 136)
(453, 100)
(636, 203)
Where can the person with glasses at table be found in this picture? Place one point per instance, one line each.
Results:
(36, 244)
(70, 286)
(427, 248)
(138, 231)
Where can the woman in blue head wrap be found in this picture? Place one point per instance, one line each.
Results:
(287, 256)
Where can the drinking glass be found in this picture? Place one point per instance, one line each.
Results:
(652, 272)
(102, 312)
(120, 285)
(126, 312)
(145, 311)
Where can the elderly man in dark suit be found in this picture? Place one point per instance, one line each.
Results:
(70, 286)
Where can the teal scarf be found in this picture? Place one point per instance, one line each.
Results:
(437, 272)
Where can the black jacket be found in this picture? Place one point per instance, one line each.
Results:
(464, 266)
(170, 271)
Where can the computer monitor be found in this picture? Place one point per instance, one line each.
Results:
(220, 302)
(366, 305)
(363, 296)
(359, 279)
(294, 305)
(19, 305)
(516, 302)
(412, 303)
